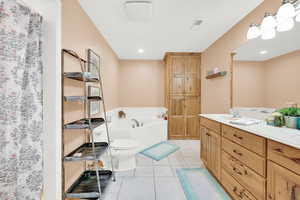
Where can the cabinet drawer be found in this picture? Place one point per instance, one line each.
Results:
(215, 126)
(250, 141)
(244, 175)
(252, 160)
(284, 155)
(236, 190)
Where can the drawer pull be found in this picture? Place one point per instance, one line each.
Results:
(207, 134)
(237, 171)
(236, 152)
(236, 192)
(278, 150)
(238, 137)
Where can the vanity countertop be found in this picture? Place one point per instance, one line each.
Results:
(283, 135)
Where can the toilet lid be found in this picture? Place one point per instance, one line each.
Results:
(123, 144)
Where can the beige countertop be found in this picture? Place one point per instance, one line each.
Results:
(283, 135)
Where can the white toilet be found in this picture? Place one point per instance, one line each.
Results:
(123, 153)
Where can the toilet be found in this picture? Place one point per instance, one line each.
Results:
(123, 153)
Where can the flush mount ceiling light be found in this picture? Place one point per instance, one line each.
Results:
(263, 52)
(286, 10)
(298, 12)
(141, 51)
(253, 32)
(138, 11)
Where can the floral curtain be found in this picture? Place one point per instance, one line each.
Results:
(21, 108)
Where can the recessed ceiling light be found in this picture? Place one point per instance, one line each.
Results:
(141, 51)
(196, 24)
(263, 52)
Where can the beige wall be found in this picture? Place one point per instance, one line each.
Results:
(216, 92)
(141, 83)
(282, 80)
(248, 84)
(79, 34)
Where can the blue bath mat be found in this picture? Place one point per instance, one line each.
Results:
(198, 184)
(160, 150)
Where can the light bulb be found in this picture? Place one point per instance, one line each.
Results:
(286, 10)
(285, 25)
(268, 22)
(268, 34)
(253, 32)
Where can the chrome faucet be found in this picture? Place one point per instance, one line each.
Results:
(137, 122)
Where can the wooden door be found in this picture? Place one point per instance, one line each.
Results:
(192, 76)
(214, 153)
(178, 65)
(282, 184)
(192, 119)
(176, 117)
(204, 145)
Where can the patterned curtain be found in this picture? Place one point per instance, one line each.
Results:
(21, 108)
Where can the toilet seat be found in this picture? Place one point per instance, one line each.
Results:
(124, 144)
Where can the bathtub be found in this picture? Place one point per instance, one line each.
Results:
(151, 129)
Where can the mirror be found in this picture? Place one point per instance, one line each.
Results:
(266, 73)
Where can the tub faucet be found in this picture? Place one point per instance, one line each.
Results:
(137, 122)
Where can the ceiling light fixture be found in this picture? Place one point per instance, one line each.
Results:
(253, 32)
(141, 51)
(268, 34)
(263, 52)
(196, 24)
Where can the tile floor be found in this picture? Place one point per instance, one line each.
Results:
(153, 180)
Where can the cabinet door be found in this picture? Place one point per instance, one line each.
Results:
(192, 128)
(177, 87)
(178, 74)
(282, 183)
(177, 105)
(204, 144)
(214, 154)
(176, 127)
(192, 76)
(192, 105)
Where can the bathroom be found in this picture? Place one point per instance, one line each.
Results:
(173, 74)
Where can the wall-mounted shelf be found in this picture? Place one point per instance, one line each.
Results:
(84, 123)
(216, 75)
(85, 152)
(86, 186)
(82, 98)
(81, 76)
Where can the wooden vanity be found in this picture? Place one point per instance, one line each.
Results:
(248, 166)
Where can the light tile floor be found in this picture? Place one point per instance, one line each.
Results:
(153, 180)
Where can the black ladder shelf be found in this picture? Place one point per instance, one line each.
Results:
(91, 184)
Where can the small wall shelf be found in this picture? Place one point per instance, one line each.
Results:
(216, 75)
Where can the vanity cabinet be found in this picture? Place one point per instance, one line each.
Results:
(250, 167)
(182, 94)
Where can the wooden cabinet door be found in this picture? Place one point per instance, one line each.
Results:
(192, 76)
(177, 105)
(178, 65)
(176, 127)
(214, 153)
(283, 184)
(204, 144)
(177, 87)
(192, 105)
(192, 127)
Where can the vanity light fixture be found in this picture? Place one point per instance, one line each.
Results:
(282, 21)
(253, 32)
(285, 25)
(286, 10)
(269, 22)
(268, 34)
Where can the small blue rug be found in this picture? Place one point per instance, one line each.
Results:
(198, 184)
(160, 150)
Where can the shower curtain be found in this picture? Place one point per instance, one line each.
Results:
(21, 109)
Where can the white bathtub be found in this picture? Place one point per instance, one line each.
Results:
(152, 129)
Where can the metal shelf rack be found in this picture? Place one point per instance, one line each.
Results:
(92, 183)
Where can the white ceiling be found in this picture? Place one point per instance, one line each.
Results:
(283, 43)
(170, 27)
